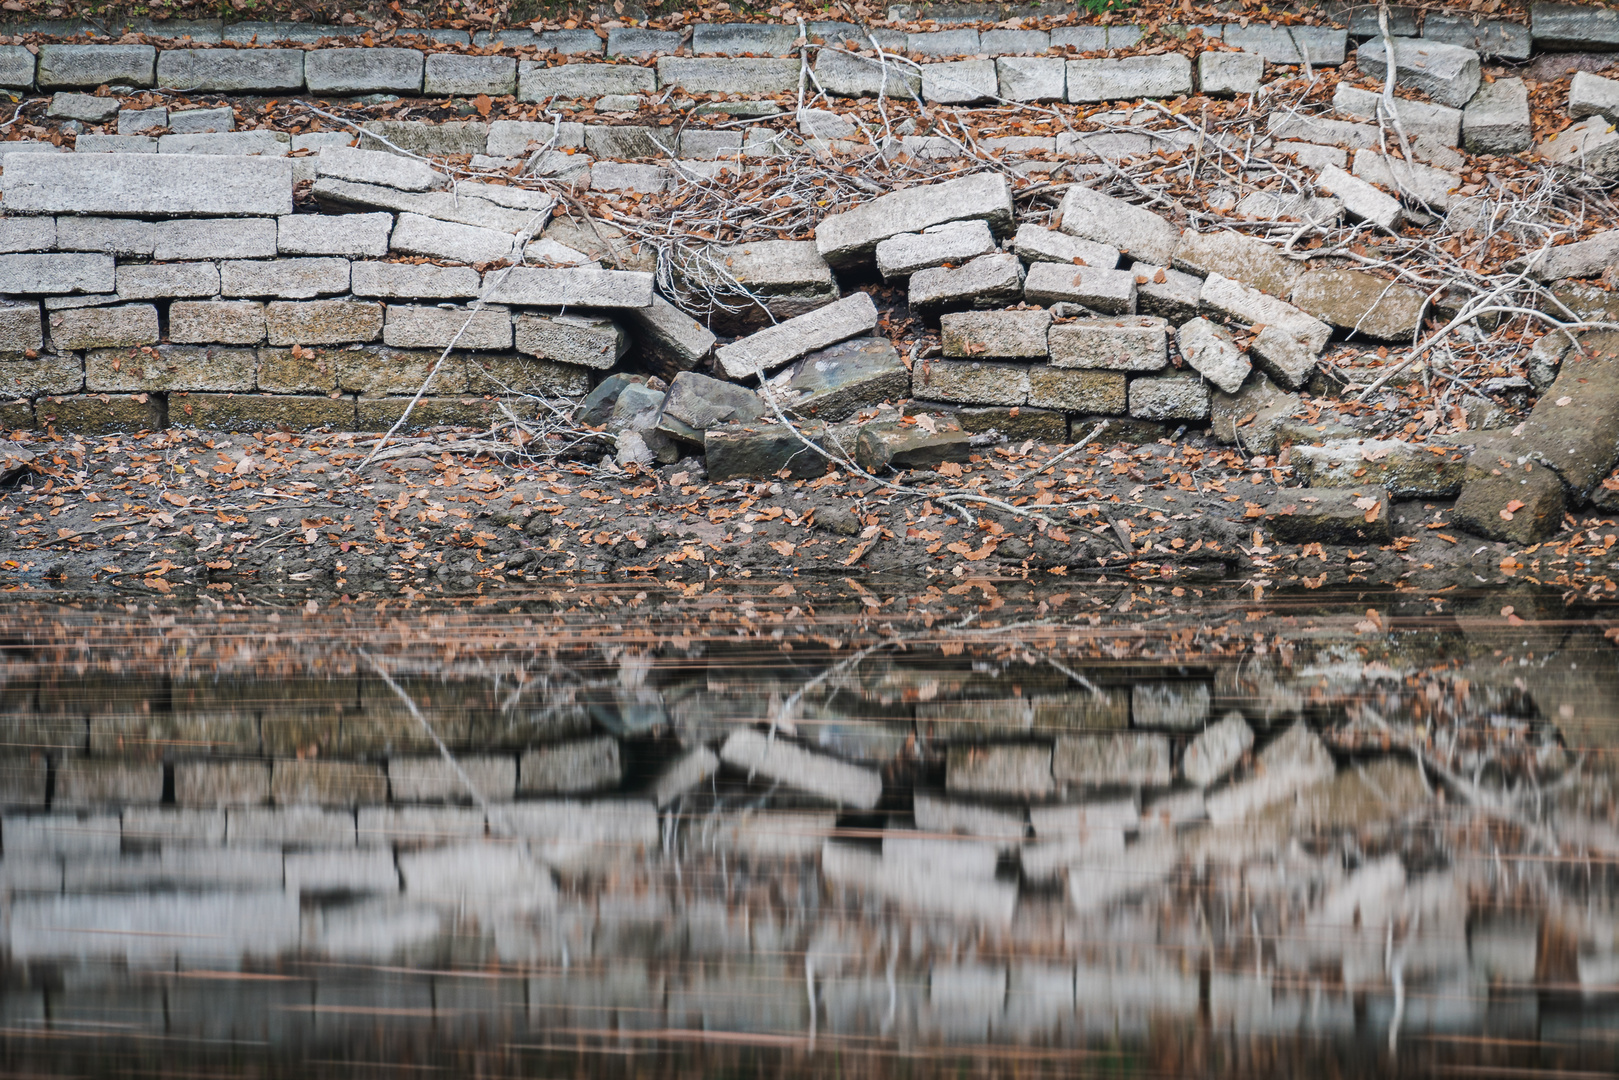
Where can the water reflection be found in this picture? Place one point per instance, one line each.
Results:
(789, 826)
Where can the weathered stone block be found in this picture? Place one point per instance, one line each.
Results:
(416, 327)
(412, 281)
(1230, 74)
(201, 121)
(77, 329)
(141, 185)
(216, 238)
(795, 767)
(787, 341)
(890, 444)
(1211, 351)
(1363, 201)
(321, 322)
(433, 779)
(376, 167)
(20, 327)
(744, 75)
(1124, 760)
(523, 375)
(259, 142)
(427, 139)
(844, 74)
(99, 414)
(90, 66)
(1438, 123)
(213, 784)
(995, 334)
(955, 242)
(379, 414)
(959, 82)
(290, 279)
(1108, 292)
(169, 367)
(28, 234)
(971, 382)
(587, 340)
(1139, 343)
(1361, 303)
(363, 71)
(1165, 75)
(1169, 397)
(832, 384)
(1034, 244)
(540, 82)
(851, 237)
(1233, 300)
(1078, 391)
(575, 288)
(85, 108)
(763, 450)
(345, 235)
(1134, 230)
(985, 282)
(162, 281)
(51, 273)
(1447, 73)
(569, 768)
(90, 783)
(1027, 78)
(47, 375)
(1425, 183)
(232, 71)
(1509, 499)
(230, 412)
(327, 783)
(452, 75)
(1017, 771)
(1331, 516)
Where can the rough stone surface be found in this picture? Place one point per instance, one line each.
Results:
(363, 71)
(1365, 304)
(785, 342)
(889, 444)
(567, 768)
(1438, 123)
(1574, 427)
(225, 322)
(1447, 73)
(1030, 78)
(844, 74)
(1247, 259)
(1233, 300)
(375, 167)
(762, 450)
(985, 282)
(1169, 397)
(31, 234)
(227, 144)
(414, 234)
(451, 75)
(327, 783)
(1035, 244)
(103, 327)
(1332, 516)
(1363, 201)
(161, 281)
(1250, 417)
(1407, 470)
(1167, 294)
(429, 139)
(1136, 231)
(956, 242)
(576, 288)
(832, 384)
(1581, 259)
(1165, 75)
(1293, 762)
(213, 238)
(404, 281)
(539, 82)
(1426, 183)
(850, 238)
(972, 382)
(1230, 74)
(349, 236)
(995, 334)
(1497, 120)
(322, 322)
(217, 784)
(46, 274)
(289, 279)
(20, 326)
(1078, 391)
(232, 71)
(1126, 759)
(588, 340)
(696, 403)
(1212, 353)
(201, 121)
(1506, 497)
(1590, 145)
(147, 185)
(410, 326)
(1107, 292)
(85, 108)
(818, 774)
(741, 75)
(1140, 343)
(999, 770)
(956, 82)
(63, 67)
(1216, 750)
(671, 335)
(1487, 37)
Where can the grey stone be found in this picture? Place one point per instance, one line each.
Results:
(228, 143)
(971, 382)
(587, 340)
(1083, 38)
(417, 327)
(791, 765)
(428, 139)
(832, 384)
(987, 281)
(710, 144)
(218, 784)
(540, 82)
(1134, 230)
(672, 335)
(731, 39)
(90, 66)
(743, 75)
(571, 767)
(135, 121)
(363, 71)
(1424, 183)
(169, 367)
(301, 825)
(62, 834)
(33, 234)
(1284, 357)
(162, 281)
(622, 176)
(925, 888)
(1077, 819)
(957, 42)
(432, 779)
(1047, 860)
(785, 342)
(214, 238)
(1029, 78)
(289, 279)
(890, 444)
(201, 121)
(86, 782)
(1250, 417)
(1230, 74)
(1272, 206)
(696, 403)
(340, 872)
(959, 82)
(1173, 705)
(16, 67)
(414, 234)
(1504, 497)
(639, 41)
(1008, 770)
(1014, 42)
(1574, 27)
(844, 74)
(956, 242)
(9, 147)
(1331, 516)
(406, 281)
(78, 329)
(628, 141)
(1243, 258)
(86, 108)
(140, 185)
(1487, 37)
(1322, 46)
(763, 451)
(1002, 828)
(115, 144)
(851, 237)
(1447, 73)
(575, 288)
(1211, 352)
(1107, 292)
(1589, 146)
(1234, 300)
(157, 928)
(1437, 122)
(684, 774)
(321, 322)
(1161, 76)
(995, 334)
(1169, 397)
(349, 236)
(1124, 760)
(1588, 95)
(1405, 470)
(20, 326)
(477, 874)
(452, 75)
(1360, 302)
(1319, 130)
(376, 167)
(1077, 390)
(1139, 343)
(255, 31)
(419, 824)
(1035, 244)
(1577, 439)
(232, 71)
(224, 322)
(1293, 762)
(516, 138)
(43, 274)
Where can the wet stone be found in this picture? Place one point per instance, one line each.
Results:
(1405, 470)
(762, 451)
(1505, 497)
(696, 403)
(1331, 516)
(890, 444)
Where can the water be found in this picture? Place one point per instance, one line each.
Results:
(952, 831)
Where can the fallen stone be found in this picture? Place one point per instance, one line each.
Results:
(1162, 76)
(1447, 73)
(1295, 761)
(1020, 771)
(142, 185)
(85, 108)
(1247, 259)
(671, 335)
(1250, 417)
(891, 444)
(1332, 516)
(1574, 427)
(1581, 259)
(1230, 74)
(1167, 294)
(1107, 292)
(1591, 146)
(1424, 183)
(850, 238)
(995, 334)
(787, 341)
(1173, 705)
(1216, 750)
(1321, 132)
(376, 167)
(414, 234)
(1283, 357)
(763, 450)
(1133, 230)
(696, 403)
(1497, 120)
(1169, 397)
(834, 383)
(985, 282)
(789, 276)
(1128, 760)
(1439, 123)
(1588, 95)
(1363, 201)
(1035, 244)
(931, 889)
(460, 206)
(795, 767)
(1274, 206)
(1213, 353)
(1361, 303)
(576, 288)
(1138, 343)
(955, 242)
(1233, 300)
(1508, 498)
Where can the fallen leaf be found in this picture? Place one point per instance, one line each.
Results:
(950, 469)
(785, 550)
(482, 104)
(1565, 400)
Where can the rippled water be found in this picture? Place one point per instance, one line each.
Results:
(812, 828)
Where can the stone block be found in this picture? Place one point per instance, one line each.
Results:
(342, 72)
(956, 242)
(671, 335)
(163, 281)
(1424, 183)
(54, 273)
(850, 238)
(995, 334)
(1027, 78)
(785, 342)
(959, 82)
(212, 784)
(1107, 292)
(84, 782)
(1165, 75)
(1322, 46)
(1139, 343)
(985, 282)
(61, 834)
(1359, 302)
(522, 375)
(169, 367)
(20, 327)
(587, 340)
(749, 75)
(47, 375)
(1274, 206)
(376, 167)
(832, 384)
(99, 414)
(1449, 74)
(1035, 244)
(682, 775)
(67, 67)
(1211, 351)
(541, 82)
(1406, 470)
(135, 121)
(924, 888)
(621, 176)
(763, 450)
(1013, 771)
(428, 139)
(1242, 258)
(1292, 763)
(1127, 760)
(1589, 146)
(1317, 133)
(16, 67)
(289, 279)
(1233, 300)
(1497, 120)
(433, 779)
(257, 143)
(844, 74)
(413, 281)
(640, 41)
(1438, 123)
(1131, 229)
(27, 234)
(22, 783)
(1230, 74)
(321, 322)
(214, 238)
(971, 382)
(528, 287)
(1508, 499)
(477, 874)
(327, 783)
(139, 185)
(574, 836)
(77, 329)
(367, 870)
(350, 236)
(519, 138)
(1077, 391)
(419, 825)
(733, 39)
(232, 71)
(571, 767)
(1169, 397)
(1588, 95)
(1332, 516)
(201, 121)
(417, 327)
(85, 108)
(230, 412)
(889, 444)
(304, 826)
(795, 767)
(167, 825)
(453, 75)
